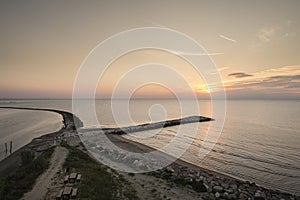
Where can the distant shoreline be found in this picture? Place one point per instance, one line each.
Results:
(70, 122)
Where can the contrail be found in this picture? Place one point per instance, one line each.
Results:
(227, 38)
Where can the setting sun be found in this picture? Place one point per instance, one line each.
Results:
(202, 88)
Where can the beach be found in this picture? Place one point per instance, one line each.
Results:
(216, 185)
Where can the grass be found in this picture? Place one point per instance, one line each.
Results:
(16, 185)
(97, 181)
(131, 174)
(153, 190)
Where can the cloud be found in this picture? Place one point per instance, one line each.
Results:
(239, 75)
(222, 69)
(157, 24)
(283, 82)
(196, 54)
(218, 70)
(287, 81)
(279, 82)
(266, 34)
(275, 32)
(275, 83)
(227, 38)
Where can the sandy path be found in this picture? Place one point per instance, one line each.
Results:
(44, 181)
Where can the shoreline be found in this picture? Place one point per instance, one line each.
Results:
(70, 121)
(10, 163)
(211, 178)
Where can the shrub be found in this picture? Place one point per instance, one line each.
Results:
(27, 157)
(15, 185)
(97, 182)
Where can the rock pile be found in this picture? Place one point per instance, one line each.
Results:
(219, 187)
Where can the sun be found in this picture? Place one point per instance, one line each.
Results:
(202, 88)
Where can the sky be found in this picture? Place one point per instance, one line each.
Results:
(254, 45)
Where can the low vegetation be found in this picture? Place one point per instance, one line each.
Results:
(198, 186)
(98, 181)
(15, 185)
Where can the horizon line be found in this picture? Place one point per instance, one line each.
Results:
(158, 98)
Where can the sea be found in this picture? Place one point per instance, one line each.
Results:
(258, 142)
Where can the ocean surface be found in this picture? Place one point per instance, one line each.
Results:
(260, 140)
(21, 126)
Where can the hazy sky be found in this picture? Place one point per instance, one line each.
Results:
(255, 44)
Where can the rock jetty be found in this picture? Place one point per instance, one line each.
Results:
(155, 125)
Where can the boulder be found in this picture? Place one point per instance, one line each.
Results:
(224, 185)
(234, 187)
(233, 196)
(189, 187)
(257, 195)
(201, 178)
(206, 186)
(213, 183)
(209, 179)
(226, 195)
(229, 190)
(217, 188)
(243, 196)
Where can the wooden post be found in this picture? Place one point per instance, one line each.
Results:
(5, 148)
(10, 150)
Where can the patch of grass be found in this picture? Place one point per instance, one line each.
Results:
(208, 198)
(259, 198)
(197, 186)
(22, 181)
(97, 182)
(153, 190)
(131, 174)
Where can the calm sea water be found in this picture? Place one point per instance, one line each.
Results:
(260, 141)
(21, 126)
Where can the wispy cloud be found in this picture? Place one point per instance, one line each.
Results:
(222, 68)
(266, 34)
(283, 80)
(278, 82)
(218, 70)
(158, 24)
(227, 38)
(275, 32)
(239, 75)
(196, 54)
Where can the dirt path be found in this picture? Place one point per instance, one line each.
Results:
(44, 181)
